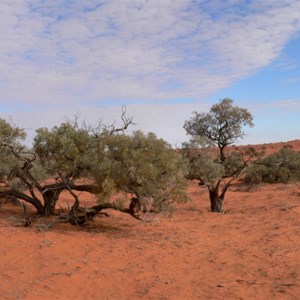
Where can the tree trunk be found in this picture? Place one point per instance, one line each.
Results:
(50, 200)
(39, 208)
(21, 196)
(216, 202)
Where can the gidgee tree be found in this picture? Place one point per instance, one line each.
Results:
(101, 160)
(66, 153)
(15, 161)
(144, 167)
(209, 160)
(63, 155)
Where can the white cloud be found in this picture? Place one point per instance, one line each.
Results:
(281, 106)
(60, 57)
(63, 52)
(292, 80)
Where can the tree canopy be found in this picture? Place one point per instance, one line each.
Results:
(143, 166)
(222, 126)
(139, 166)
(211, 134)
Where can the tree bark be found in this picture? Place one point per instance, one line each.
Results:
(21, 196)
(50, 200)
(216, 202)
(52, 192)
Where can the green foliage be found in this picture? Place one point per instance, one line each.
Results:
(202, 165)
(10, 136)
(222, 125)
(140, 165)
(112, 164)
(209, 160)
(10, 133)
(144, 166)
(282, 166)
(65, 150)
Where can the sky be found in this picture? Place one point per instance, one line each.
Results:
(162, 59)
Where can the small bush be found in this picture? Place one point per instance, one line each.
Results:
(282, 166)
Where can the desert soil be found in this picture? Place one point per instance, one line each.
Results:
(252, 251)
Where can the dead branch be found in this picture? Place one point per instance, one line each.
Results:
(26, 219)
(127, 121)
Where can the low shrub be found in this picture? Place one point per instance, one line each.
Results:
(282, 166)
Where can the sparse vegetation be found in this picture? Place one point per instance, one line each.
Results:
(134, 173)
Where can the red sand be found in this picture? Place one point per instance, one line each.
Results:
(250, 252)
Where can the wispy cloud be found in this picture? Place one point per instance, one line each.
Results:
(160, 57)
(78, 52)
(292, 80)
(285, 63)
(288, 104)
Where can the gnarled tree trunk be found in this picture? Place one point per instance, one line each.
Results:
(50, 200)
(216, 201)
(22, 196)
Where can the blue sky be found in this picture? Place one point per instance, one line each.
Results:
(163, 59)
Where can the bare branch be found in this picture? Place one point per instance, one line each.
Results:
(127, 121)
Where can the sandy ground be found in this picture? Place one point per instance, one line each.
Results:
(250, 252)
